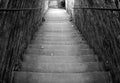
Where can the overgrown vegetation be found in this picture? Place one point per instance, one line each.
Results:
(16, 30)
(101, 29)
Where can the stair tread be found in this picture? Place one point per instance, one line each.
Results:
(58, 52)
(59, 59)
(50, 38)
(44, 61)
(59, 43)
(35, 77)
(58, 47)
(62, 67)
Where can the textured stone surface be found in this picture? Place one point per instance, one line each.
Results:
(32, 77)
(55, 59)
(101, 30)
(16, 30)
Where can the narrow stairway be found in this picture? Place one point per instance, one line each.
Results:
(60, 55)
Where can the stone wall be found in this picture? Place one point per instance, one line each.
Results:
(46, 5)
(69, 7)
(16, 31)
(101, 29)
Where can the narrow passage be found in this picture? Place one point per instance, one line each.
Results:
(60, 55)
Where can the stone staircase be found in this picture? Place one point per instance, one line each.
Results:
(60, 55)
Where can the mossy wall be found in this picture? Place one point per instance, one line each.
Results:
(101, 29)
(16, 31)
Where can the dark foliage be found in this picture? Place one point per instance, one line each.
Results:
(17, 28)
(101, 29)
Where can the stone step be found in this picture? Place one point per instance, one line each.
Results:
(56, 42)
(37, 41)
(52, 19)
(58, 34)
(58, 31)
(48, 53)
(60, 23)
(49, 44)
(35, 77)
(58, 38)
(57, 25)
(59, 41)
(59, 47)
(44, 40)
(46, 28)
(57, 52)
(59, 59)
(62, 67)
